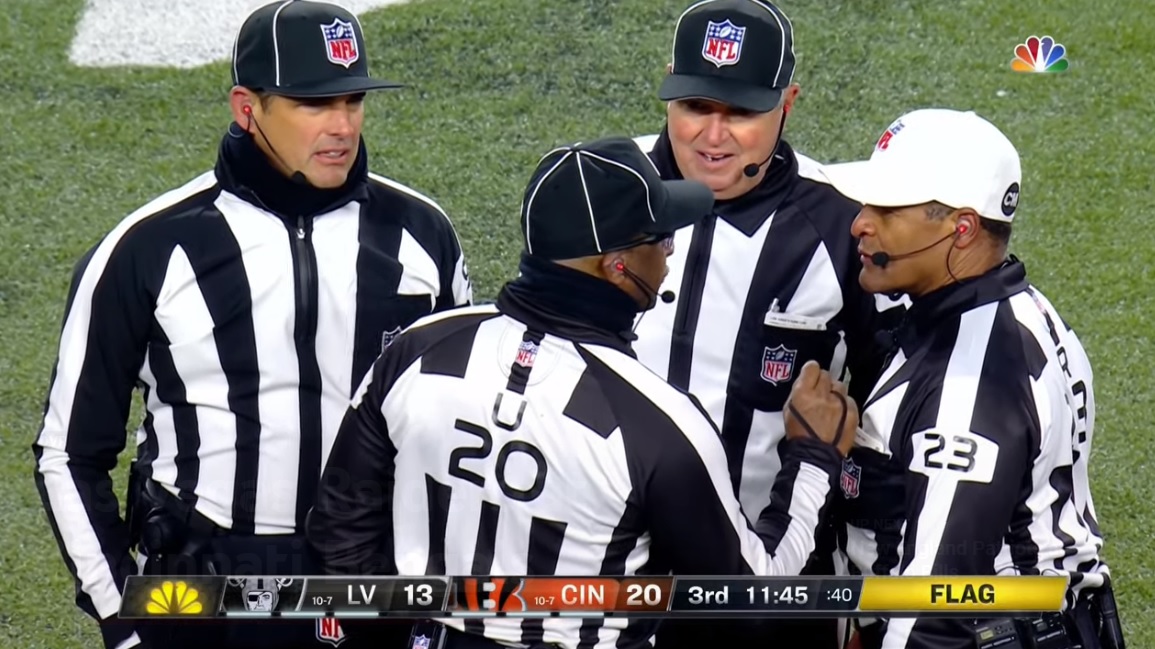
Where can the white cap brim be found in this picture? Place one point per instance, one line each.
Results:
(869, 183)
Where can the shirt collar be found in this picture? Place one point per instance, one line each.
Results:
(927, 311)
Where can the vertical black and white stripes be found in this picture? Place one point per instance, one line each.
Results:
(969, 448)
(248, 332)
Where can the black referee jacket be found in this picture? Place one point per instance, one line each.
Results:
(248, 308)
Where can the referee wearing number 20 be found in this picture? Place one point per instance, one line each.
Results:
(524, 438)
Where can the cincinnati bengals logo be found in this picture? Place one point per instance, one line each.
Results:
(496, 594)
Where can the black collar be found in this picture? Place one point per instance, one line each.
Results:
(927, 311)
(243, 169)
(750, 210)
(570, 304)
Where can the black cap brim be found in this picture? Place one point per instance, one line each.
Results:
(739, 94)
(687, 202)
(334, 87)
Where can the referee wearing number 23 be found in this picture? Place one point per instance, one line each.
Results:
(524, 438)
(974, 448)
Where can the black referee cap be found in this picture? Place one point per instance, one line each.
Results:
(300, 48)
(588, 199)
(738, 52)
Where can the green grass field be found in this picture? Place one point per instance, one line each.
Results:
(496, 83)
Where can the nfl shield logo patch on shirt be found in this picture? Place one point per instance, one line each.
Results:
(778, 364)
(526, 353)
(329, 631)
(340, 42)
(387, 338)
(723, 44)
(851, 475)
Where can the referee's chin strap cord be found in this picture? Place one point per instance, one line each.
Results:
(810, 429)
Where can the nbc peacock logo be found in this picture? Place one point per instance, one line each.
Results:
(174, 598)
(1040, 55)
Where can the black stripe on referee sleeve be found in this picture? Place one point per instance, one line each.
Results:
(215, 257)
(586, 406)
(349, 525)
(483, 553)
(428, 224)
(450, 357)
(622, 542)
(74, 461)
(170, 389)
(545, 540)
(1062, 481)
(1036, 358)
(378, 274)
(674, 488)
(776, 518)
(1023, 548)
(437, 498)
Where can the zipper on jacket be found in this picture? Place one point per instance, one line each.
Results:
(689, 308)
(699, 254)
(305, 328)
(305, 336)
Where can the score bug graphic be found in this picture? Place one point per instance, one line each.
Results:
(1040, 55)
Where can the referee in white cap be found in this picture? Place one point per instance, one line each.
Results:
(974, 448)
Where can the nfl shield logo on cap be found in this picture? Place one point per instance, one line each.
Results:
(340, 42)
(723, 44)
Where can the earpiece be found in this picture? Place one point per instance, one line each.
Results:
(619, 266)
(962, 228)
(786, 109)
(248, 110)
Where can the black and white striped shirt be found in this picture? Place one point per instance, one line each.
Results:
(972, 455)
(768, 284)
(511, 442)
(249, 331)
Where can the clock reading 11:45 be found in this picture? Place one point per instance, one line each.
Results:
(787, 594)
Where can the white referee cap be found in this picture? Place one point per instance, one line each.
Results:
(953, 157)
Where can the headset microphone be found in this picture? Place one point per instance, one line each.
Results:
(882, 259)
(751, 169)
(297, 177)
(666, 296)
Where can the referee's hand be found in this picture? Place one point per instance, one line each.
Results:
(819, 407)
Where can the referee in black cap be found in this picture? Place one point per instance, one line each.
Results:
(248, 304)
(769, 281)
(525, 438)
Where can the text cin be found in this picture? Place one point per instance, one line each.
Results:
(948, 594)
(583, 594)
